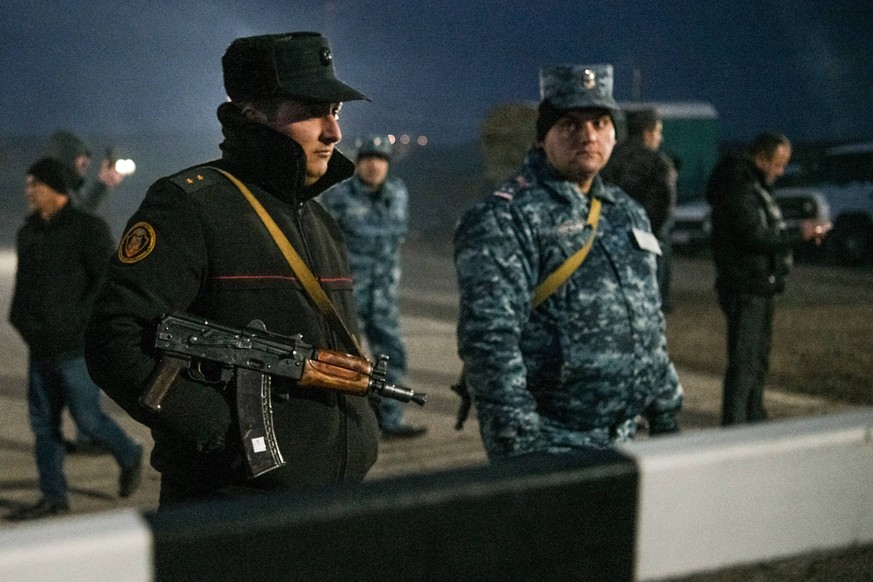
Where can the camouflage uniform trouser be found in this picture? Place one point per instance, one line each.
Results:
(379, 317)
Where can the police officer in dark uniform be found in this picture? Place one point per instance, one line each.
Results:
(196, 245)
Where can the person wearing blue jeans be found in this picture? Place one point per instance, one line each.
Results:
(62, 254)
(70, 150)
(53, 385)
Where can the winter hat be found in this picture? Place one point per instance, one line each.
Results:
(53, 174)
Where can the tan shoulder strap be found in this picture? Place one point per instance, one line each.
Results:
(551, 283)
(298, 266)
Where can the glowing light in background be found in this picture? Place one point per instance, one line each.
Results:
(125, 167)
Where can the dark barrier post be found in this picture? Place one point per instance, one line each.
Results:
(543, 518)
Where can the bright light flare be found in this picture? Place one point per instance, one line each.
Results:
(125, 167)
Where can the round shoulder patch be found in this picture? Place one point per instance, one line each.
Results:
(137, 243)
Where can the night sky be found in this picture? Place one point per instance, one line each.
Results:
(436, 67)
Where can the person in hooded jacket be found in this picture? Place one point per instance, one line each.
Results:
(196, 245)
(752, 253)
(67, 148)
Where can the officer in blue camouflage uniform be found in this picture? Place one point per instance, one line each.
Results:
(582, 369)
(372, 209)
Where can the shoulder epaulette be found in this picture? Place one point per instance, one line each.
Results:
(509, 189)
(194, 179)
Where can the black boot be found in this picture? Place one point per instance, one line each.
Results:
(44, 508)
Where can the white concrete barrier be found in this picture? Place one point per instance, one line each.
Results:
(112, 546)
(753, 493)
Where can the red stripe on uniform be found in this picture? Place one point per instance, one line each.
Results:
(279, 277)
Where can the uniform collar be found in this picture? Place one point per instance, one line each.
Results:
(272, 160)
(536, 163)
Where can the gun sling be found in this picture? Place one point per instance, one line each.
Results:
(551, 283)
(542, 292)
(298, 266)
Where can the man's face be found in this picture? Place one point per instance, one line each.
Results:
(39, 196)
(653, 138)
(372, 170)
(82, 163)
(579, 144)
(315, 126)
(774, 166)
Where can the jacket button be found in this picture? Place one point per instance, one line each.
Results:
(771, 279)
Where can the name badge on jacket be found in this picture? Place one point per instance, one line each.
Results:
(647, 241)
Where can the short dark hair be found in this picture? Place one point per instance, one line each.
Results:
(642, 120)
(269, 106)
(766, 143)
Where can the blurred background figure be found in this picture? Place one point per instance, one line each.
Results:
(372, 209)
(752, 252)
(71, 151)
(62, 255)
(638, 167)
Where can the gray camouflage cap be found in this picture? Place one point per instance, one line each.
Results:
(577, 86)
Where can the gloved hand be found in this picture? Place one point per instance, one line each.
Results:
(661, 424)
(196, 414)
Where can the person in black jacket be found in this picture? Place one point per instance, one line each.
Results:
(638, 167)
(196, 245)
(62, 253)
(752, 254)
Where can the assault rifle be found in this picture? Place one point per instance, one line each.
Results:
(249, 358)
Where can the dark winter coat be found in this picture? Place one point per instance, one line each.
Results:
(750, 246)
(213, 257)
(60, 262)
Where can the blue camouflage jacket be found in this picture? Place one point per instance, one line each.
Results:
(374, 224)
(579, 370)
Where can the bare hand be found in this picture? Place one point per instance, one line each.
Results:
(108, 175)
(814, 230)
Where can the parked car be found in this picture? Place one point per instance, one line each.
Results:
(844, 178)
(691, 226)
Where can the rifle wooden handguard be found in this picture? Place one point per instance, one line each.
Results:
(337, 371)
